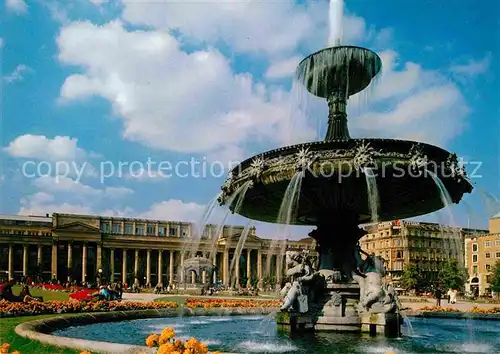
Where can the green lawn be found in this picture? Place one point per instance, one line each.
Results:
(46, 294)
(23, 345)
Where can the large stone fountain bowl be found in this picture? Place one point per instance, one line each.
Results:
(335, 180)
(339, 69)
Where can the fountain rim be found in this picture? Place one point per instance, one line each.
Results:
(245, 163)
(339, 47)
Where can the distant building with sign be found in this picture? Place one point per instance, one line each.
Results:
(426, 244)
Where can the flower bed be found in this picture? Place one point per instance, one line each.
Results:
(211, 303)
(82, 295)
(475, 309)
(12, 309)
(166, 343)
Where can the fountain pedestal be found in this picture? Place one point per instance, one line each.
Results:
(386, 324)
(336, 310)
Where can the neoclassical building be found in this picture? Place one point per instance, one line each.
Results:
(83, 247)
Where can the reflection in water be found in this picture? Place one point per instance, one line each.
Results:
(258, 334)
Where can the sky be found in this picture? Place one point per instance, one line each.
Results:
(139, 108)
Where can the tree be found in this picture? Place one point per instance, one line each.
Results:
(452, 275)
(495, 278)
(412, 278)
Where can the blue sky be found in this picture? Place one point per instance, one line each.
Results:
(97, 83)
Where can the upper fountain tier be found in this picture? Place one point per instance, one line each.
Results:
(338, 71)
(334, 181)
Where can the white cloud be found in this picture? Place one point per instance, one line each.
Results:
(63, 194)
(98, 2)
(410, 102)
(17, 6)
(54, 156)
(273, 28)
(473, 67)
(283, 68)
(78, 190)
(44, 148)
(209, 108)
(18, 74)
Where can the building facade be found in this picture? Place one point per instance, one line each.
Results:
(84, 247)
(481, 254)
(425, 244)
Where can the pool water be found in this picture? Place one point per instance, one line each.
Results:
(258, 334)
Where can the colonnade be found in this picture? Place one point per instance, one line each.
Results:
(62, 256)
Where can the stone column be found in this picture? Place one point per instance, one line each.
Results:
(259, 269)
(160, 267)
(204, 276)
(39, 256)
(171, 267)
(225, 267)
(249, 267)
(183, 275)
(25, 260)
(279, 265)
(112, 266)
(70, 261)
(148, 268)
(124, 266)
(53, 263)
(167, 230)
(99, 256)
(136, 266)
(179, 229)
(237, 270)
(11, 262)
(215, 266)
(193, 277)
(84, 262)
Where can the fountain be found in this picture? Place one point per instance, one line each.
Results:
(344, 182)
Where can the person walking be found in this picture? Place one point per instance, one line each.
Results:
(448, 294)
(438, 294)
(453, 296)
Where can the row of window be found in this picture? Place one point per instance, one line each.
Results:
(487, 267)
(24, 233)
(475, 246)
(141, 229)
(486, 255)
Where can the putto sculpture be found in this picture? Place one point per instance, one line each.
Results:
(340, 179)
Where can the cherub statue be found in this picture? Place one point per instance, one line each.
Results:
(301, 274)
(375, 296)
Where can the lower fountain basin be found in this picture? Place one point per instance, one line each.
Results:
(335, 180)
(258, 334)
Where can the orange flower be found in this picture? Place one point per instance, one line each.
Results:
(152, 340)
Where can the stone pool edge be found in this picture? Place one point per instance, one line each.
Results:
(454, 315)
(40, 330)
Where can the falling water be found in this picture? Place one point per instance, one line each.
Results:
(237, 254)
(336, 17)
(447, 203)
(373, 196)
(286, 214)
(194, 242)
(407, 324)
(239, 196)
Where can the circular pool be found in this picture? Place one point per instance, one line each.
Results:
(258, 334)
